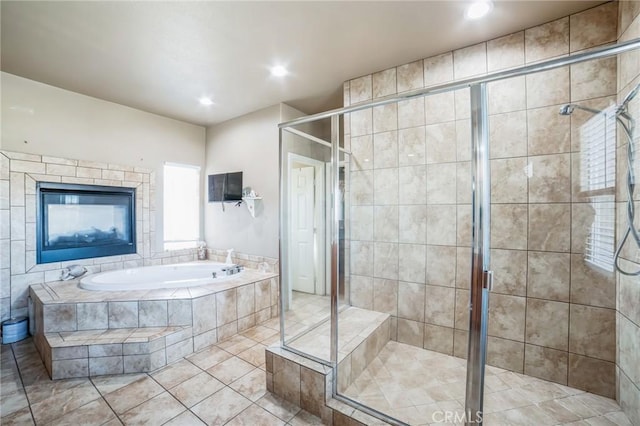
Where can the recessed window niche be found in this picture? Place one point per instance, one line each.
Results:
(83, 221)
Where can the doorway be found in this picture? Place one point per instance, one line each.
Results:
(307, 226)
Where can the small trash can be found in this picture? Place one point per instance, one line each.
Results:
(14, 330)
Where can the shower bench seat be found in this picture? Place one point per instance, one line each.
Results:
(308, 384)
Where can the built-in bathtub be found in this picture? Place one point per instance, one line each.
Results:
(159, 277)
(81, 333)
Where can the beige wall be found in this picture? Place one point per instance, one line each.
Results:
(628, 289)
(248, 144)
(552, 315)
(45, 120)
(52, 134)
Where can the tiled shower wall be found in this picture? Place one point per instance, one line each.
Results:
(19, 173)
(628, 289)
(552, 316)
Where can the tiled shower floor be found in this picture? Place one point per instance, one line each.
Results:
(420, 387)
(435, 384)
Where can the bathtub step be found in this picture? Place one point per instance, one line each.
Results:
(115, 350)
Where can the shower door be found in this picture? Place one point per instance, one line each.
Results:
(305, 206)
(312, 212)
(553, 150)
(402, 338)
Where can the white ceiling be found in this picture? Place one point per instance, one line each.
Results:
(162, 56)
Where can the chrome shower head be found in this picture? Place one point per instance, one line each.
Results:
(632, 94)
(566, 109)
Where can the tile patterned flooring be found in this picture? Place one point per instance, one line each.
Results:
(221, 384)
(225, 384)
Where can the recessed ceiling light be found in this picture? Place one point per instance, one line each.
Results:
(478, 9)
(279, 71)
(206, 101)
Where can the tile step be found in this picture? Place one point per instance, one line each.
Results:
(113, 336)
(115, 351)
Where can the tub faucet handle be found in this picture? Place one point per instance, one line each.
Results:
(214, 274)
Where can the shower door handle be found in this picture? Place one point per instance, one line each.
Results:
(487, 280)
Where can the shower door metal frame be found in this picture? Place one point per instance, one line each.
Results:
(335, 241)
(481, 276)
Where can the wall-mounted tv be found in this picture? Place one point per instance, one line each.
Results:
(225, 187)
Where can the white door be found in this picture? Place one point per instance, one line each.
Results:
(302, 232)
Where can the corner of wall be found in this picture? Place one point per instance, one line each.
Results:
(627, 288)
(287, 113)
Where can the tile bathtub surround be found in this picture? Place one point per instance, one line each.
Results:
(411, 212)
(83, 333)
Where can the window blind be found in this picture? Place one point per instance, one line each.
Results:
(598, 151)
(598, 175)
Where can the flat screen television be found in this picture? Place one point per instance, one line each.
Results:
(225, 187)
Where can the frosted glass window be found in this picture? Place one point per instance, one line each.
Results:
(181, 206)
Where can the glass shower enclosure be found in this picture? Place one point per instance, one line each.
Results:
(386, 241)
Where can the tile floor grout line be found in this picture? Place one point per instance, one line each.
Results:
(164, 390)
(237, 415)
(215, 378)
(146, 400)
(24, 389)
(110, 407)
(177, 415)
(197, 416)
